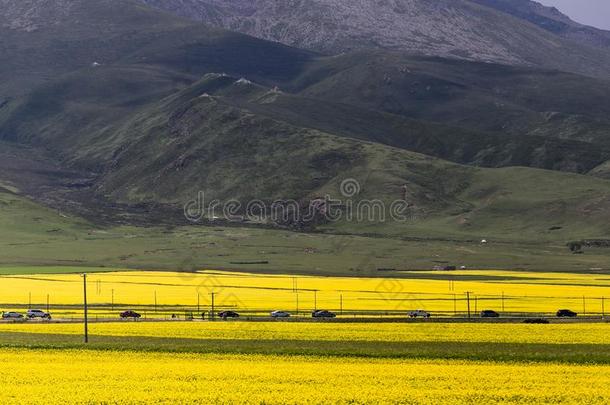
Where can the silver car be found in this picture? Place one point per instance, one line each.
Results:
(12, 315)
(37, 313)
(280, 314)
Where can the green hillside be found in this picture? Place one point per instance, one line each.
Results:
(173, 108)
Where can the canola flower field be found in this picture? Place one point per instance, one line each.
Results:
(580, 333)
(274, 362)
(108, 377)
(439, 292)
(209, 362)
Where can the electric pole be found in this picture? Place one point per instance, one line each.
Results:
(213, 314)
(468, 301)
(86, 308)
(341, 304)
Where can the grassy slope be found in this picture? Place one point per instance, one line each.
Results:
(108, 119)
(34, 238)
(477, 96)
(187, 143)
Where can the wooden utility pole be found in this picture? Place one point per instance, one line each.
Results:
(213, 314)
(315, 300)
(155, 301)
(86, 308)
(468, 301)
(297, 297)
(341, 304)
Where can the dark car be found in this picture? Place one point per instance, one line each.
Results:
(566, 313)
(130, 314)
(488, 313)
(322, 313)
(228, 314)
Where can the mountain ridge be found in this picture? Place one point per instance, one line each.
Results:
(481, 30)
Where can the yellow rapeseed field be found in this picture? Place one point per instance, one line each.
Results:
(60, 377)
(363, 332)
(498, 290)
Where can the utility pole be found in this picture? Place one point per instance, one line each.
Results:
(341, 304)
(297, 297)
(315, 300)
(155, 301)
(213, 315)
(476, 304)
(603, 308)
(48, 304)
(86, 308)
(468, 300)
(198, 302)
(30, 302)
(584, 306)
(454, 304)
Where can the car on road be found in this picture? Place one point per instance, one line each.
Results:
(322, 313)
(488, 313)
(228, 314)
(566, 313)
(419, 313)
(130, 314)
(37, 313)
(280, 314)
(12, 315)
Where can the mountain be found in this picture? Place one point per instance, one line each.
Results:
(42, 40)
(502, 31)
(136, 110)
(552, 20)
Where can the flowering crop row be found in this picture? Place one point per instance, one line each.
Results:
(59, 377)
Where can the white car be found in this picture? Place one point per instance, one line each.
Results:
(37, 313)
(280, 314)
(420, 313)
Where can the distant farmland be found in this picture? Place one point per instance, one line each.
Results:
(443, 293)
